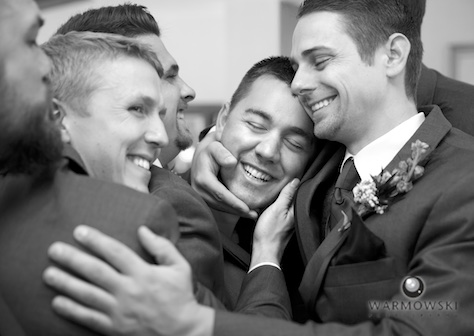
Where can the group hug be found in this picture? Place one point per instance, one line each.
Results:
(333, 195)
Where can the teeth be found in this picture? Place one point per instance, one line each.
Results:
(256, 174)
(140, 162)
(321, 104)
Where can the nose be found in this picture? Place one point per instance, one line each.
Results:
(269, 148)
(187, 93)
(302, 82)
(156, 133)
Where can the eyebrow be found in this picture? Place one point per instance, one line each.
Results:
(308, 136)
(147, 100)
(308, 52)
(260, 113)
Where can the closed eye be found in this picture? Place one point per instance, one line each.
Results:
(255, 126)
(321, 62)
(294, 145)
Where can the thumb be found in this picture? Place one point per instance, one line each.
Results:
(285, 199)
(221, 155)
(164, 252)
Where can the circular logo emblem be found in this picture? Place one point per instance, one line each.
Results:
(413, 287)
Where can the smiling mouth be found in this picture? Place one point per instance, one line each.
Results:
(322, 103)
(256, 174)
(140, 162)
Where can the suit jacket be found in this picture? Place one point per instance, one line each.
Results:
(37, 212)
(455, 98)
(199, 240)
(236, 266)
(428, 233)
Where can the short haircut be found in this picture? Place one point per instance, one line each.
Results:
(76, 56)
(371, 22)
(127, 20)
(277, 66)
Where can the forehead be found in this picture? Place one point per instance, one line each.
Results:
(156, 43)
(274, 97)
(125, 77)
(319, 30)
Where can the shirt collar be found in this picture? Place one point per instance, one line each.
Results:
(374, 157)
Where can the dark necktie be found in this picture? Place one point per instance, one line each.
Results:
(343, 197)
(244, 229)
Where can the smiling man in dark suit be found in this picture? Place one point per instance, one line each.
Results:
(265, 127)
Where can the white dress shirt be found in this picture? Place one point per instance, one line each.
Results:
(374, 157)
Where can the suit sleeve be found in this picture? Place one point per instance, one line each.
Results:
(163, 221)
(199, 237)
(442, 259)
(264, 293)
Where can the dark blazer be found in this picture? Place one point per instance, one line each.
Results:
(34, 213)
(455, 98)
(199, 241)
(236, 266)
(428, 232)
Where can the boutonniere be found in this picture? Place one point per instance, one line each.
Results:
(375, 195)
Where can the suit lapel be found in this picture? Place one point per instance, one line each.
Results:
(237, 254)
(313, 191)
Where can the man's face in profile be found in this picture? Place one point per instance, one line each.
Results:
(121, 131)
(29, 138)
(177, 94)
(271, 136)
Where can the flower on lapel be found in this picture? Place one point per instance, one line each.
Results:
(375, 195)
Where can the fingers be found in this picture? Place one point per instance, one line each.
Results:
(206, 165)
(160, 248)
(111, 250)
(285, 199)
(221, 156)
(222, 199)
(77, 289)
(87, 266)
(83, 315)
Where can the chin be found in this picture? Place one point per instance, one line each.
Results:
(255, 202)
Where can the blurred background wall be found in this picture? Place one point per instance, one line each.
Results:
(216, 41)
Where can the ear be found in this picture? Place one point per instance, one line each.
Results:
(398, 48)
(59, 116)
(222, 120)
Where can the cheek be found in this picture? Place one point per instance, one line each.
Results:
(294, 166)
(170, 124)
(232, 141)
